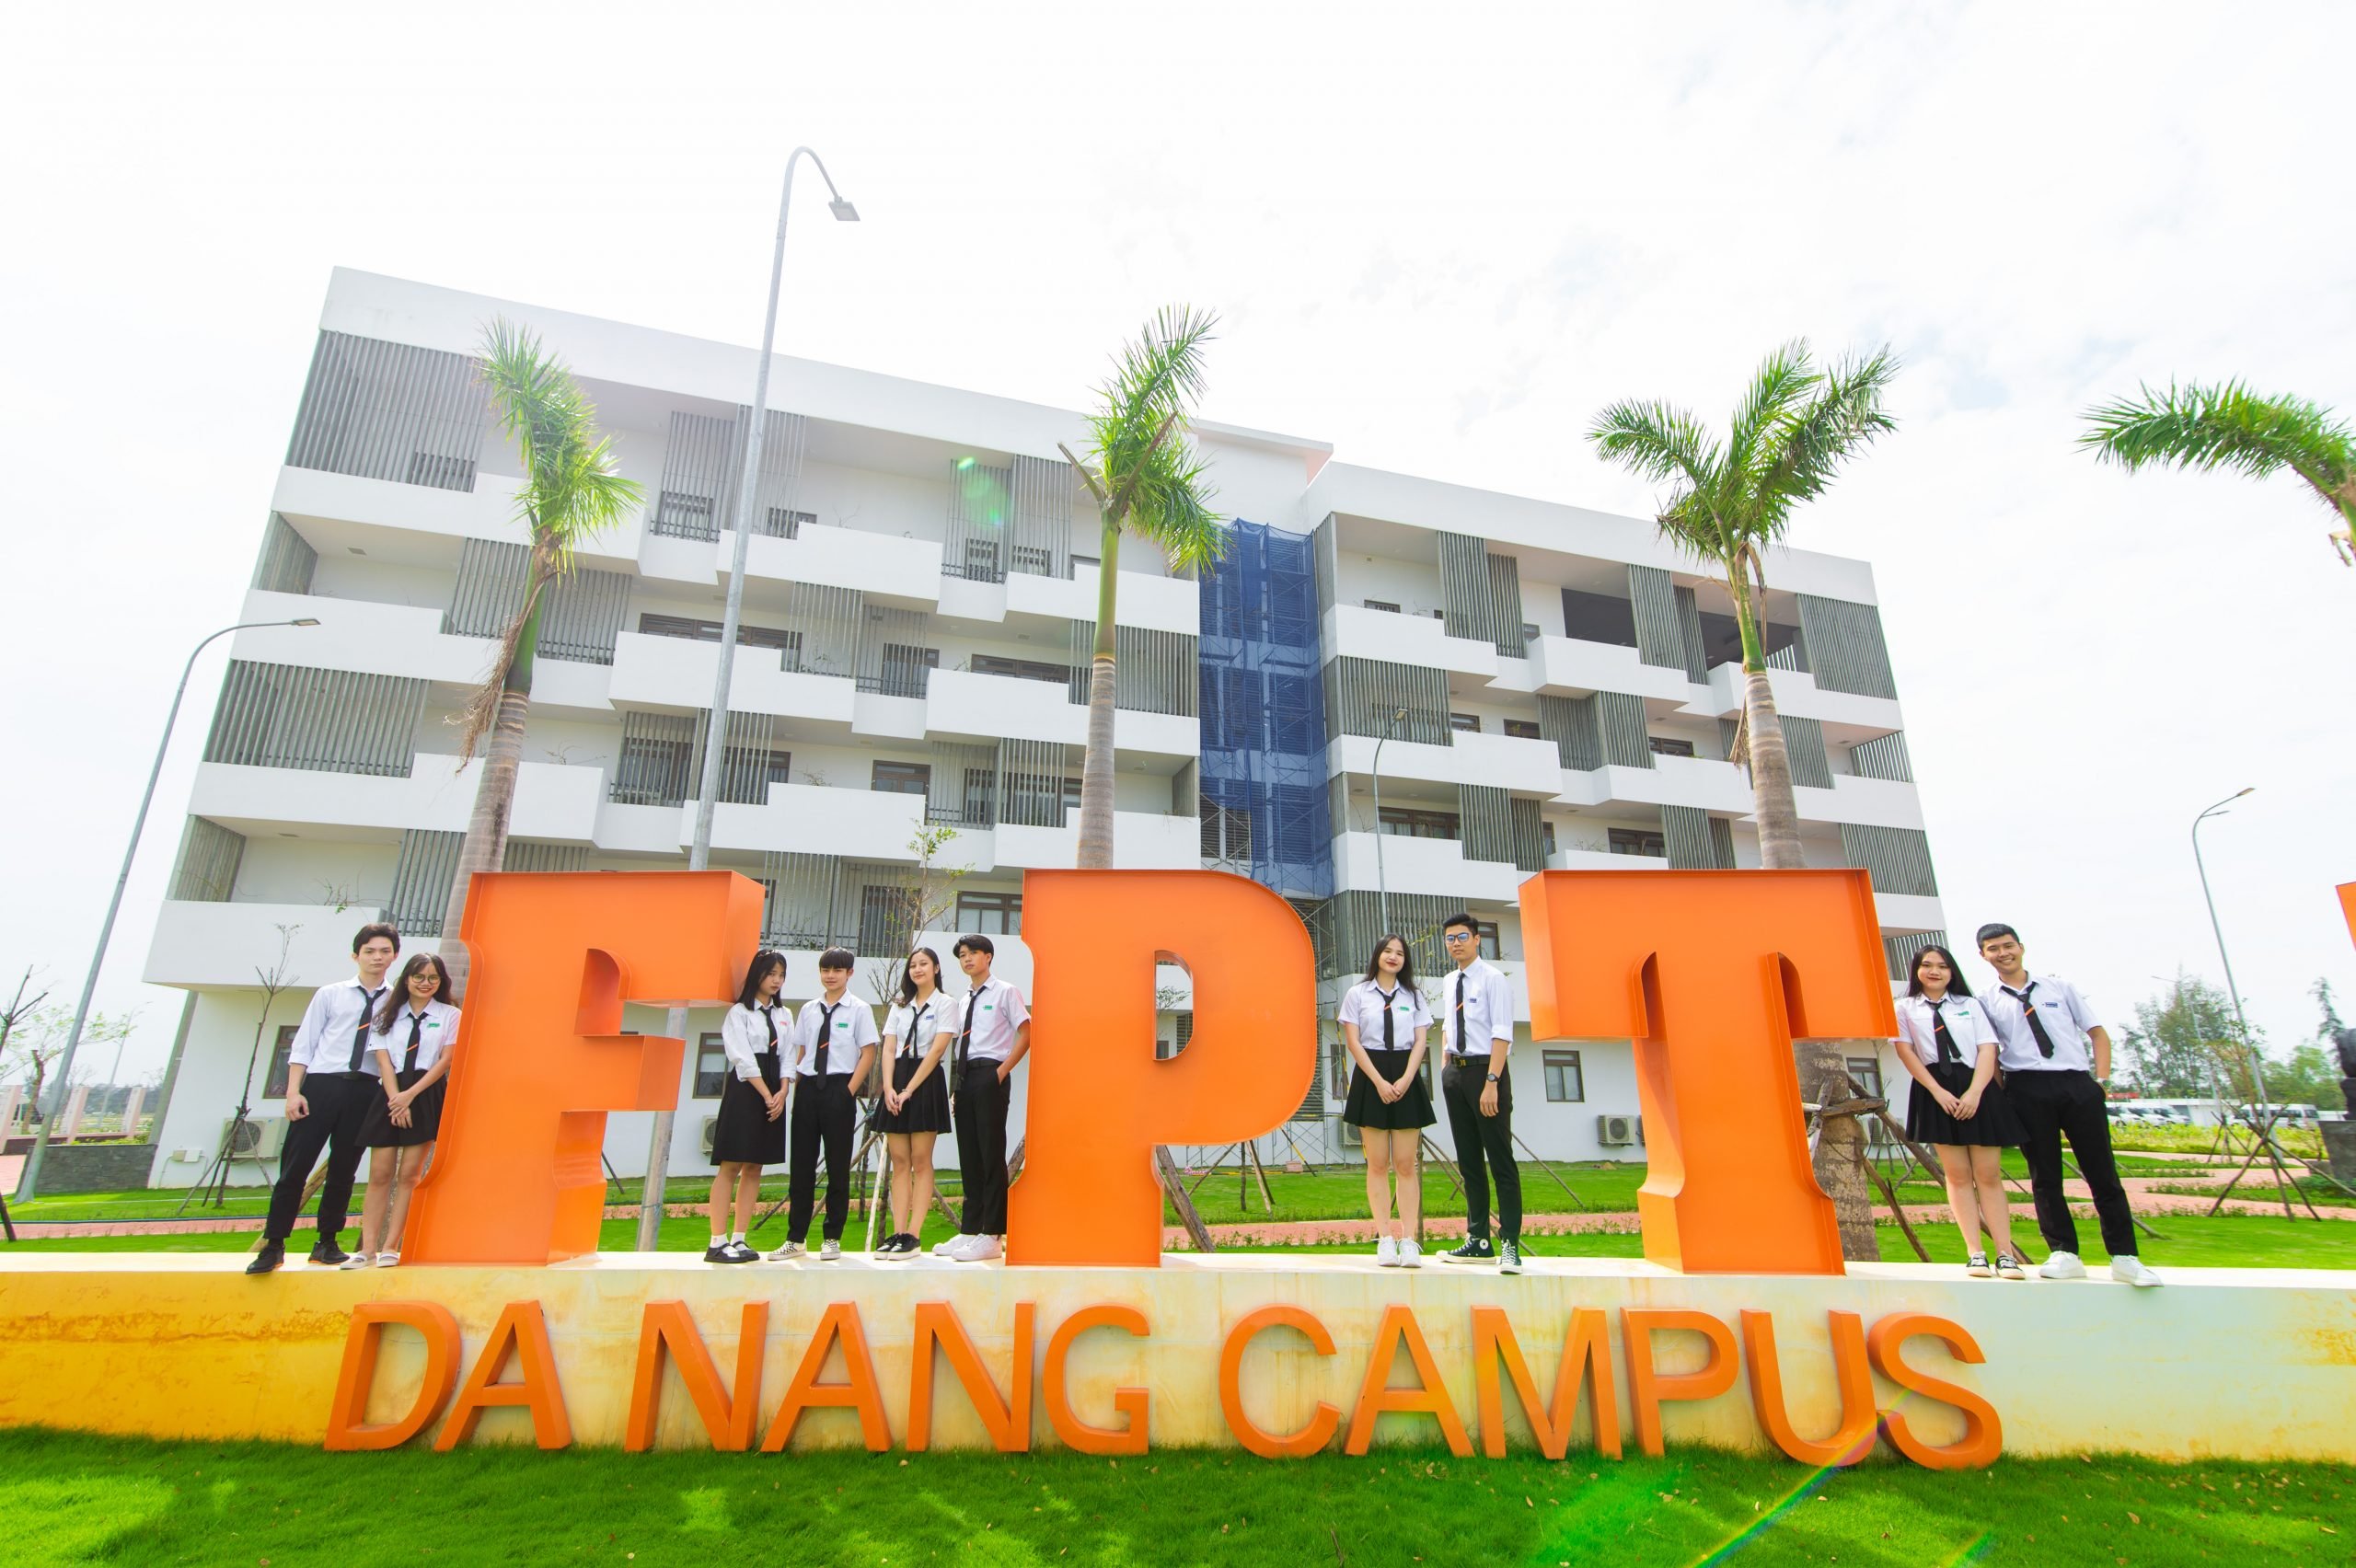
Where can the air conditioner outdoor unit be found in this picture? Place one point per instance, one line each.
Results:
(259, 1138)
(710, 1125)
(1615, 1132)
(1352, 1135)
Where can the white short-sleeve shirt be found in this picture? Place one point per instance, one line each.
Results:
(1967, 1022)
(912, 1028)
(1365, 1004)
(1481, 996)
(997, 1012)
(854, 1026)
(2067, 1017)
(436, 1028)
(745, 1034)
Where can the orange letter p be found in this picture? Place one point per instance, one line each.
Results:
(1099, 1100)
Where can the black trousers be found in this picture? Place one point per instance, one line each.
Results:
(982, 1102)
(1484, 1143)
(824, 1113)
(338, 1104)
(2051, 1106)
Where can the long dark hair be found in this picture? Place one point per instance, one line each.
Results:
(1406, 967)
(397, 995)
(1956, 986)
(756, 971)
(908, 986)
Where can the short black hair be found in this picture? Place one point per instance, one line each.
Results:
(371, 931)
(1463, 919)
(1990, 931)
(839, 958)
(975, 943)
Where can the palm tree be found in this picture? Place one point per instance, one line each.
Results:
(1729, 501)
(2232, 427)
(570, 493)
(1146, 480)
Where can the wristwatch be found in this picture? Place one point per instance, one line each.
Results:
(1495, 1076)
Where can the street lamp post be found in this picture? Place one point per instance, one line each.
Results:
(1381, 882)
(658, 1151)
(28, 1186)
(2256, 1070)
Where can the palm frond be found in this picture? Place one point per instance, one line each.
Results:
(1657, 442)
(1779, 389)
(1843, 416)
(1171, 505)
(1149, 479)
(2225, 426)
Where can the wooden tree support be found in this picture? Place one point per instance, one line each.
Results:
(1183, 1201)
(1531, 1155)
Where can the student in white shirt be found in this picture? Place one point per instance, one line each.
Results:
(416, 1029)
(1957, 1105)
(834, 1043)
(1476, 1038)
(2056, 1056)
(329, 1085)
(1383, 1017)
(993, 1034)
(749, 1132)
(916, 1096)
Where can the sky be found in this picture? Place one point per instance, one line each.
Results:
(1437, 238)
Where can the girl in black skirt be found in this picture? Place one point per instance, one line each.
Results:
(916, 1096)
(415, 1028)
(1383, 1017)
(750, 1130)
(1957, 1105)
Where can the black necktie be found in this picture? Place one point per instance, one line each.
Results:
(1460, 1013)
(966, 1035)
(2036, 1024)
(1386, 1018)
(416, 1032)
(360, 1037)
(768, 1016)
(908, 1046)
(825, 1028)
(1946, 1042)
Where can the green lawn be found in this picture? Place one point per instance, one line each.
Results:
(66, 1498)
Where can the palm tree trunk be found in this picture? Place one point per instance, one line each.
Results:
(485, 848)
(1096, 768)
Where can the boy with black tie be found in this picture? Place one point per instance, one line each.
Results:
(1476, 1036)
(993, 1034)
(330, 1086)
(2055, 1053)
(835, 1040)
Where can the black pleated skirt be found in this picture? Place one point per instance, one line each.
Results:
(377, 1129)
(927, 1110)
(1366, 1107)
(744, 1134)
(1994, 1128)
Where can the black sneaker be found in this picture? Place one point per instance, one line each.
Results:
(327, 1252)
(1509, 1256)
(272, 1253)
(1476, 1250)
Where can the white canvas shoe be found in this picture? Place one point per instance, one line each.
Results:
(953, 1248)
(1386, 1253)
(2131, 1270)
(984, 1248)
(1411, 1252)
(830, 1251)
(2063, 1265)
(790, 1251)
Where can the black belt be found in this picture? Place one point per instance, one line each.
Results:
(1460, 1057)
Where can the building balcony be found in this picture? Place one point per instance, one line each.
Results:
(208, 945)
(558, 801)
(1873, 802)
(1910, 912)
(1353, 632)
(1845, 716)
(963, 705)
(883, 565)
(1571, 858)
(405, 640)
(1566, 666)
(675, 674)
(812, 818)
(1507, 762)
(1150, 602)
(1700, 782)
(1142, 841)
(1433, 866)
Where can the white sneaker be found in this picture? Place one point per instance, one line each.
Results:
(2063, 1265)
(788, 1252)
(2131, 1271)
(953, 1248)
(1386, 1253)
(388, 1259)
(830, 1251)
(983, 1249)
(357, 1261)
(1411, 1253)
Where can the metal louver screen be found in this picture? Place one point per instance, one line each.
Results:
(1689, 632)
(689, 502)
(893, 660)
(316, 720)
(802, 894)
(286, 562)
(1902, 949)
(1485, 815)
(382, 410)
(1480, 594)
(1898, 858)
(1660, 633)
(830, 620)
(1529, 836)
(981, 504)
(1804, 741)
(1845, 648)
(1722, 843)
(1620, 717)
(421, 877)
(1362, 694)
(1686, 832)
(1046, 502)
(1031, 776)
(962, 792)
(206, 871)
(1323, 544)
(784, 439)
(1153, 671)
(656, 766)
(582, 618)
(1570, 723)
(1884, 758)
(1354, 917)
(530, 857)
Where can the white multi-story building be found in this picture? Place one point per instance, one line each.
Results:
(1545, 686)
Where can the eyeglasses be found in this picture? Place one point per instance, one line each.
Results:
(1455, 936)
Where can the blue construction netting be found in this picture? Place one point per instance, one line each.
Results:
(1264, 715)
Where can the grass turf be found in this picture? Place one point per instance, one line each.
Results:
(68, 1498)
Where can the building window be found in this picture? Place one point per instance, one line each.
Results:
(1546, 838)
(1227, 835)
(1491, 948)
(1183, 1024)
(652, 770)
(1638, 841)
(676, 512)
(711, 1068)
(883, 919)
(906, 671)
(1530, 633)
(1663, 747)
(1021, 669)
(1465, 723)
(1381, 605)
(901, 778)
(1598, 618)
(990, 914)
(1564, 1082)
(784, 523)
(981, 560)
(694, 630)
(1071, 797)
(1092, 562)
(1523, 729)
(1036, 559)
(1401, 821)
(274, 1086)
